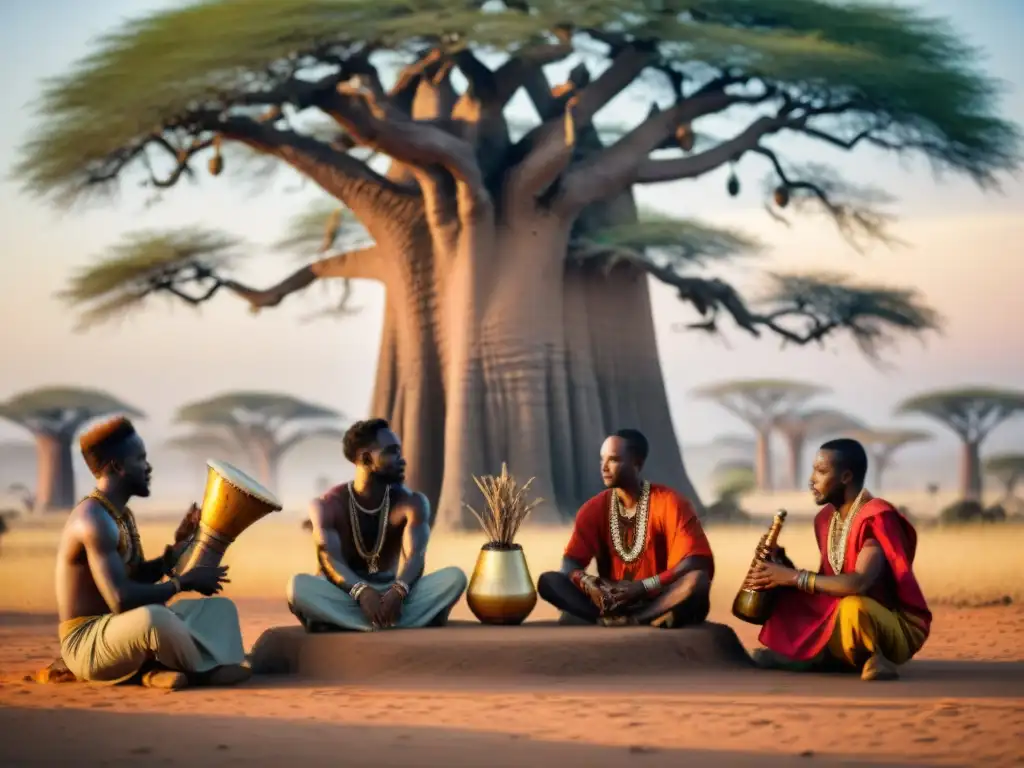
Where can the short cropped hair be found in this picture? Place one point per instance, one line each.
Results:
(361, 437)
(636, 443)
(849, 455)
(105, 442)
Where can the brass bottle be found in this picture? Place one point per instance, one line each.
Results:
(751, 605)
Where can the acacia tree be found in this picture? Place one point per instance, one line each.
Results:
(972, 413)
(511, 332)
(262, 425)
(797, 427)
(763, 404)
(54, 416)
(1008, 469)
(882, 445)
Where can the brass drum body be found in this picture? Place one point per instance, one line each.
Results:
(753, 606)
(233, 501)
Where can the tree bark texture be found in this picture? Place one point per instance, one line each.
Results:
(763, 460)
(795, 443)
(55, 474)
(970, 471)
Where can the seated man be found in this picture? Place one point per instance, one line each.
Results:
(654, 562)
(362, 530)
(862, 607)
(111, 601)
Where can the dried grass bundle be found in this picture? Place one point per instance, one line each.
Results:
(506, 507)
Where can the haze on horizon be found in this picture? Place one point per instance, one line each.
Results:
(962, 252)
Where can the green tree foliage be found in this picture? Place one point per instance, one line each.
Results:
(246, 72)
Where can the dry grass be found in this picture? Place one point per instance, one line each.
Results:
(507, 507)
(967, 564)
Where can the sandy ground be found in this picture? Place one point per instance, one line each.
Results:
(960, 703)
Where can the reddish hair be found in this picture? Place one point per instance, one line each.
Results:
(103, 442)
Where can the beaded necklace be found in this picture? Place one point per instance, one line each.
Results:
(640, 535)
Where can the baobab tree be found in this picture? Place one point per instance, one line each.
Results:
(513, 329)
(262, 425)
(762, 404)
(54, 416)
(1008, 469)
(797, 427)
(972, 413)
(882, 445)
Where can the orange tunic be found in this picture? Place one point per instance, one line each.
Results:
(673, 534)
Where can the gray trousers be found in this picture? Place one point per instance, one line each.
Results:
(315, 599)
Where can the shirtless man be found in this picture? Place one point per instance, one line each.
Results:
(114, 621)
(362, 530)
(654, 563)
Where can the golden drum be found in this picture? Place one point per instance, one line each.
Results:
(233, 501)
(501, 590)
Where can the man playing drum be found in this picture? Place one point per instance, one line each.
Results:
(362, 530)
(114, 621)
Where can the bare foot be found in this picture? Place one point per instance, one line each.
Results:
(229, 674)
(164, 679)
(879, 668)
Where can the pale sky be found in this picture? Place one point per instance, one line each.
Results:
(964, 254)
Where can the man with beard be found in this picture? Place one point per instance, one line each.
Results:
(363, 530)
(654, 563)
(114, 624)
(862, 608)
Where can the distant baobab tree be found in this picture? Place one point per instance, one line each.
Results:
(1008, 469)
(797, 427)
(761, 403)
(882, 445)
(264, 425)
(972, 413)
(54, 416)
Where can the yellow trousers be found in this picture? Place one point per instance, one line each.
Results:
(865, 627)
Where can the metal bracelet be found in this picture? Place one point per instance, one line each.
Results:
(177, 584)
(357, 590)
(401, 586)
(651, 583)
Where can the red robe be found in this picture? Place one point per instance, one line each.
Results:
(801, 623)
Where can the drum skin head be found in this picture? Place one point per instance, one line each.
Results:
(243, 482)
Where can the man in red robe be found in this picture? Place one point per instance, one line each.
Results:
(862, 608)
(654, 564)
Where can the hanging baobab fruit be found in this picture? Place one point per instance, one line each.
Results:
(685, 137)
(782, 196)
(216, 164)
(733, 184)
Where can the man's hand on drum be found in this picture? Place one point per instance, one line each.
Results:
(182, 538)
(207, 580)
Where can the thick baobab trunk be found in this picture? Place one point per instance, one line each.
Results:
(970, 471)
(763, 460)
(417, 408)
(610, 323)
(507, 383)
(795, 443)
(55, 474)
